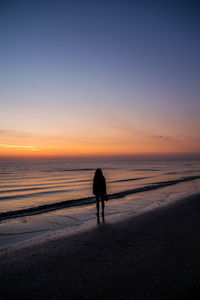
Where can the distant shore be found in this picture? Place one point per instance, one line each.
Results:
(155, 255)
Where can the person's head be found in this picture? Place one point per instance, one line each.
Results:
(98, 173)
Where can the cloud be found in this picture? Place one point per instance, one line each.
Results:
(158, 136)
(13, 133)
(2, 131)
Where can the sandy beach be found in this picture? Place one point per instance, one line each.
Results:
(154, 255)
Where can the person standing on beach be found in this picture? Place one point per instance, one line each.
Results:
(99, 190)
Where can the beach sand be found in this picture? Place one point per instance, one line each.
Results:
(153, 255)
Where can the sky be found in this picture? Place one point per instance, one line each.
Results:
(99, 78)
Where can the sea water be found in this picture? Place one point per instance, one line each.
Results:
(28, 184)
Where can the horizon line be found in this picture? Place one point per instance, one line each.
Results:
(180, 156)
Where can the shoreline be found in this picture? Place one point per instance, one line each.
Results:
(91, 200)
(29, 230)
(153, 255)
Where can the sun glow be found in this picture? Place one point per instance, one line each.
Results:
(31, 148)
(71, 147)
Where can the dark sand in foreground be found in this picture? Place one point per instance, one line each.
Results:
(155, 255)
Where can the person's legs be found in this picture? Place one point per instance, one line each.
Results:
(102, 204)
(97, 204)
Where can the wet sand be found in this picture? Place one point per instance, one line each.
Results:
(154, 255)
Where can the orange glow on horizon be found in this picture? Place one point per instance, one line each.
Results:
(93, 143)
(98, 149)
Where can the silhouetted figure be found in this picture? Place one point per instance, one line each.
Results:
(99, 190)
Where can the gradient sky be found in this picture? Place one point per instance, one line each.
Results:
(102, 78)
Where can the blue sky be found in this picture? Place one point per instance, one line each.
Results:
(129, 66)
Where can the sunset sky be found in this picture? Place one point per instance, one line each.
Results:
(99, 78)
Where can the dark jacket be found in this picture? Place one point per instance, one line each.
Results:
(99, 185)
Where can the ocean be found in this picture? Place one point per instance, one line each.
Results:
(35, 185)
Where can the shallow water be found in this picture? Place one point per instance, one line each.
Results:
(28, 230)
(30, 184)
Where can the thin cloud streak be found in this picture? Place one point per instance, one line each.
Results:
(32, 148)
